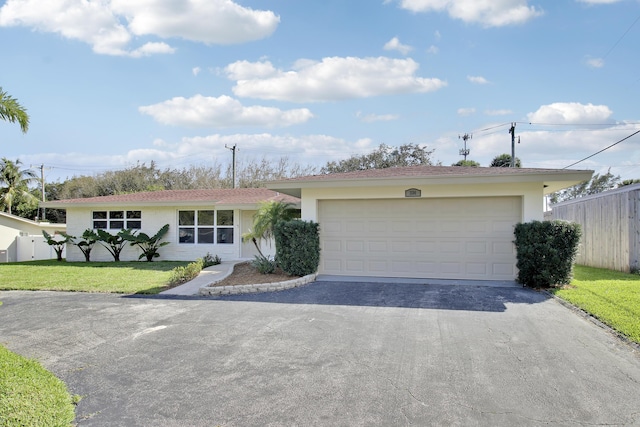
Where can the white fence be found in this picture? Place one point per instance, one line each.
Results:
(30, 248)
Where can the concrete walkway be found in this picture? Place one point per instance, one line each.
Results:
(206, 276)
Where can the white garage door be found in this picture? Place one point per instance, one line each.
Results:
(448, 238)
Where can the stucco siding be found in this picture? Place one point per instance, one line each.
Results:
(80, 219)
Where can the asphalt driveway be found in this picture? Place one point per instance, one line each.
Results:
(329, 354)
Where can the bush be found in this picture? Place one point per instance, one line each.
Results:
(208, 260)
(190, 271)
(264, 264)
(297, 247)
(546, 251)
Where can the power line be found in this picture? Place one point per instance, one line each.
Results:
(604, 149)
(621, 37)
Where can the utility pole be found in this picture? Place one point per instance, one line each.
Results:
(44, 213)
(512, 131)
(233, 166)
(465, 151)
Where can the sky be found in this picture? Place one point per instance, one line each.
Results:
(109, 84)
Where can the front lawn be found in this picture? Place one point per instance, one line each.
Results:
(116, 277)
(30, 395)
(612, 297)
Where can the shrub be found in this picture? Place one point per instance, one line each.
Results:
(297, 247)
(148, 244)
(264, 264)
(208, 260)
(546, 251)
(190, 271)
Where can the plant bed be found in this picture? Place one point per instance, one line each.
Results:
(245, 274)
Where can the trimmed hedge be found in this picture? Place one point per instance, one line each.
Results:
(297, 247)
(546, 251)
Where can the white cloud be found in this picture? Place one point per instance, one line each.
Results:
(149, 49)
(466, 111)
(433, 49)
(208, 21)
(333, 78)
(370, 118)
(594, 62)
(437, 35)
(109, 27)
(196, 70)
(394, 44)
(571, 113)
(221, 112)
(494, 13)
(479, 80)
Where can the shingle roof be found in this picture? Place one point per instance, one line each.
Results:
(427, 172)
(219, 196)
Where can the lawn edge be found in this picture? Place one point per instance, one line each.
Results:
(593, 319)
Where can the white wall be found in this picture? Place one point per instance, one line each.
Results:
(154, 218)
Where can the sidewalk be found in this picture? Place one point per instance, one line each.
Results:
(206, 276)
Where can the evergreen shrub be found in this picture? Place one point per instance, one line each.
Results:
(546, 251)
(297, 247)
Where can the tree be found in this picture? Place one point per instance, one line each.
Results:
(628, 182)
(148, 245)
(383, 157)
(58, 245)
(265, 219)
(504, 161)
(467, 163)
(114, 243)
(86, 245)
(597, 184)
(14, 183)
(12, 111)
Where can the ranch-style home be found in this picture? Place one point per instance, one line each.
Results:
(445, 222)
(424, 222)
(200, 221)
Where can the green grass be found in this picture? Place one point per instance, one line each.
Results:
(115, 277)
(612, 297)
(32, 396)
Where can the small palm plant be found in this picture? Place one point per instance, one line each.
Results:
(148, 245)
(58, 245)
(268, 215)
(114, 243)
(89, 238)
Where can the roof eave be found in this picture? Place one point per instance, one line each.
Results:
(552, 182)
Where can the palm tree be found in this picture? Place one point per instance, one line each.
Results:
(12, 111)
(269, 213)
(14, 183)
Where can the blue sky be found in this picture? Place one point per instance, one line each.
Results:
(112, 83)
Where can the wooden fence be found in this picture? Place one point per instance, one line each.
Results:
(610, 227)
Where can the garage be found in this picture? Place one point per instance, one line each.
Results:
(446, 238)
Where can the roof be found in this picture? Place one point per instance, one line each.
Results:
(553, 179)
(217, 196)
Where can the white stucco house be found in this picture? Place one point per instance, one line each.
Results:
(21, 239)
(424, 221)
(200, 221)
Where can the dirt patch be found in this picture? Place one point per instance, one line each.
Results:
(245, 274)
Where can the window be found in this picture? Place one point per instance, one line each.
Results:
(117, 220)
(205, 227)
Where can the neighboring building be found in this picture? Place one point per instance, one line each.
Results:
(200, 221)
(21, 239)
(610, 227)
(424, 221)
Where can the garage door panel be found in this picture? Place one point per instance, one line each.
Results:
(439, 238)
